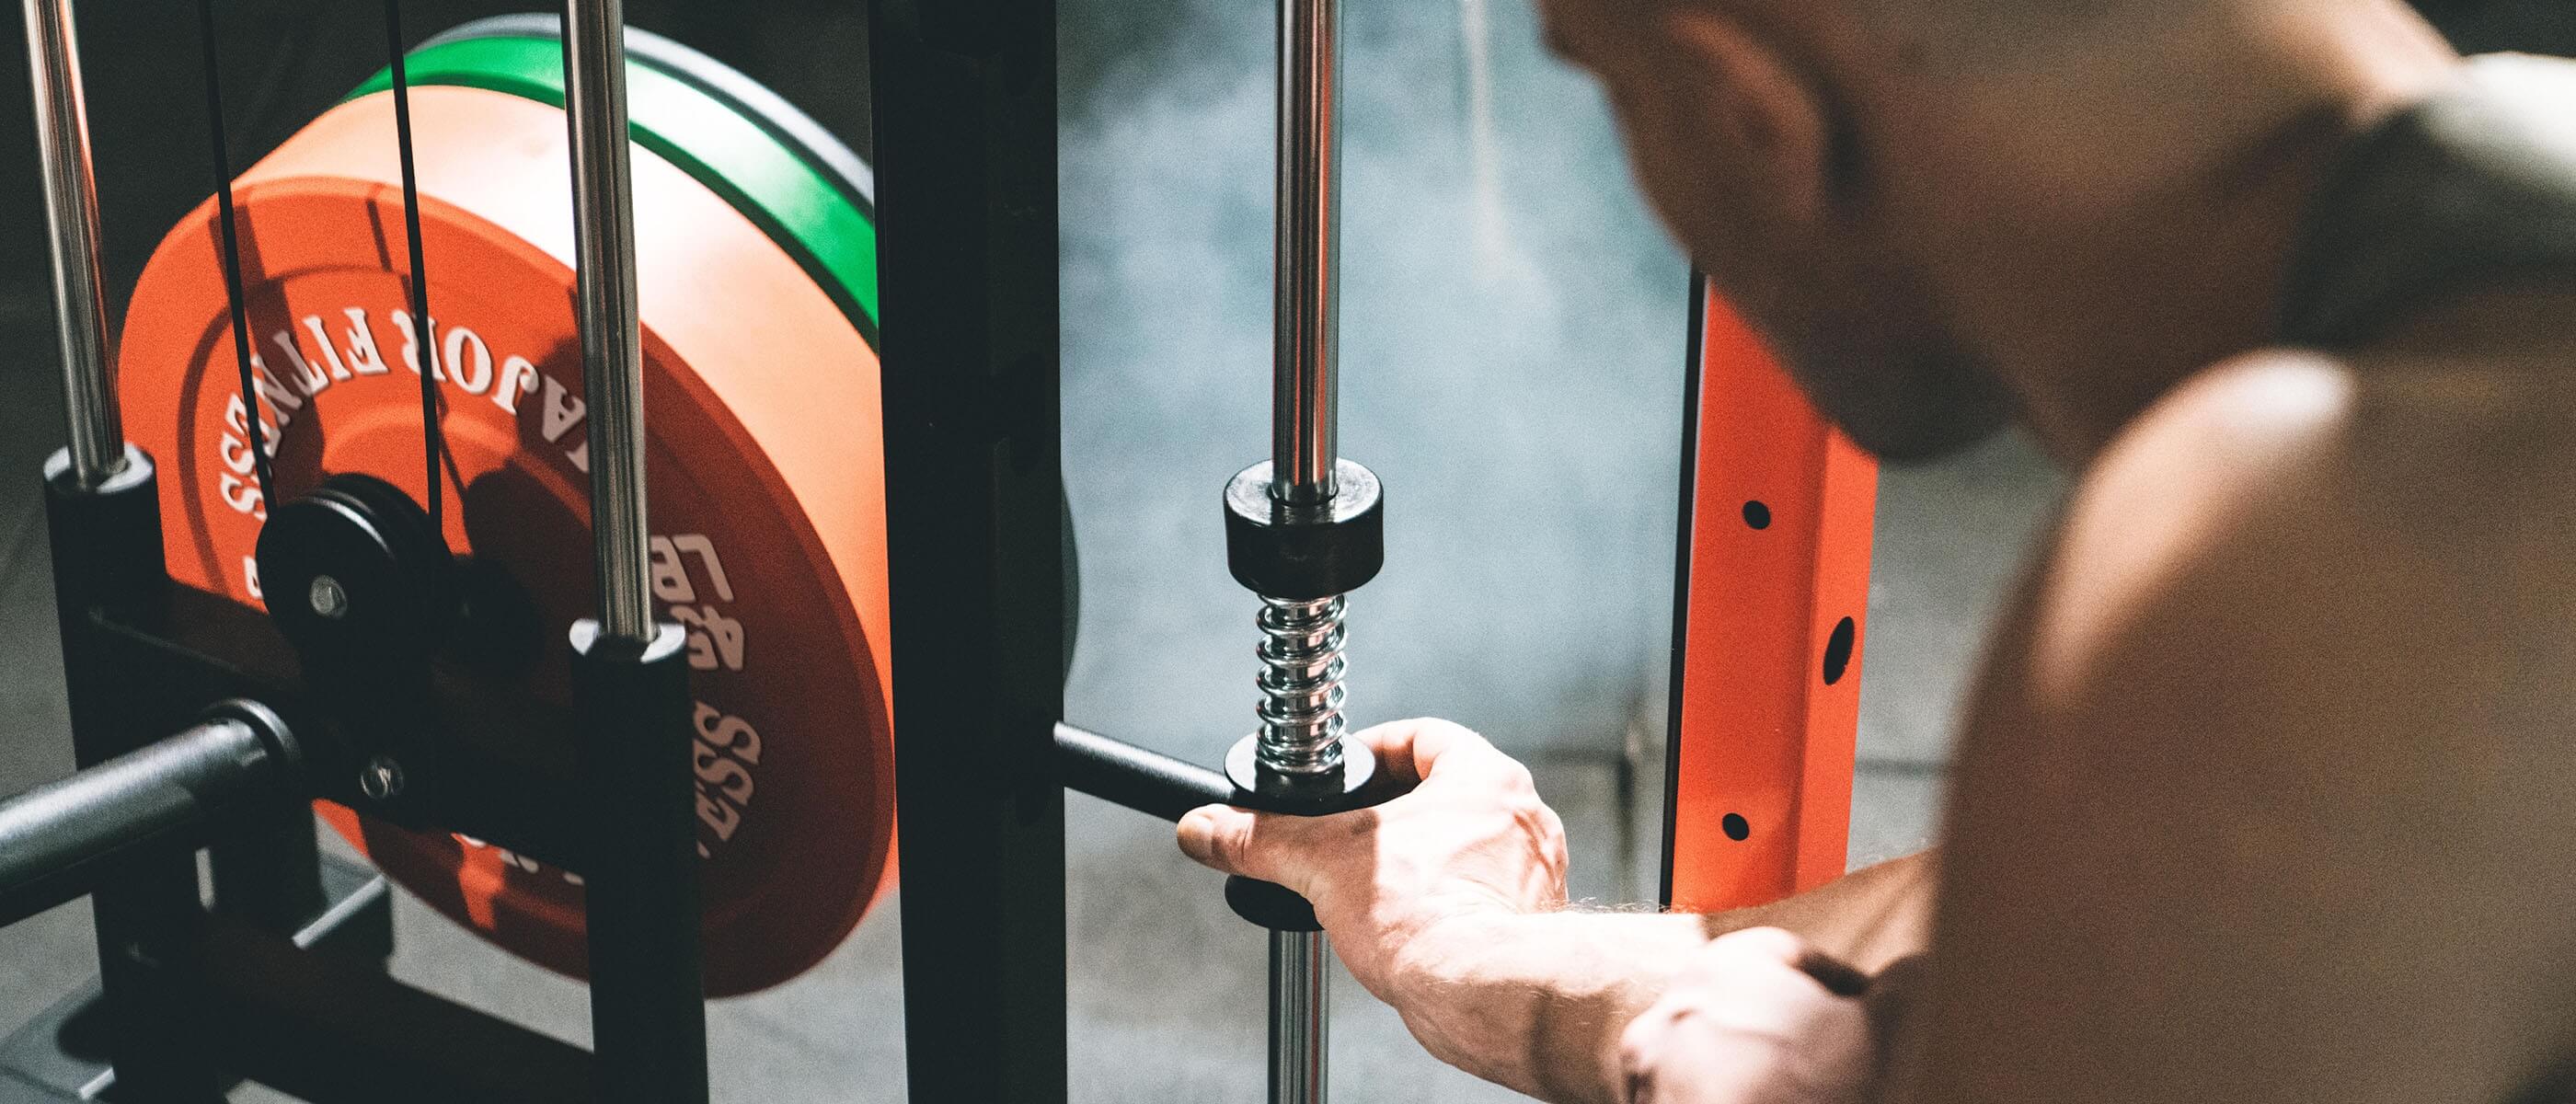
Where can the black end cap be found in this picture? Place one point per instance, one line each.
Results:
(1305, 554)
(273, 732)
(1270, 905)
(1355, 784)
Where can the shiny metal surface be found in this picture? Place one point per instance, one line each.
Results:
(1301, 685)
(1306, 318)
(1298, 1017)
(1301, 647)
(612, 364)
(71, 217)
(328, 597)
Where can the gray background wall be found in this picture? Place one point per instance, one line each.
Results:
(1513, 345)
(1514, 341)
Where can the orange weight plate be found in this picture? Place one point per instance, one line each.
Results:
(765, 470)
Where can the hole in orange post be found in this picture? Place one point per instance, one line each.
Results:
(1838, 651)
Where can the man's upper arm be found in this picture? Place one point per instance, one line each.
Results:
(2271, 800)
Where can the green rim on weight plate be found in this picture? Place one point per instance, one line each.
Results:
(772, 163)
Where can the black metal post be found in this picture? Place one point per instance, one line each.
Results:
(966, 198)
(268, 870)
(647, 995)
(107, 550)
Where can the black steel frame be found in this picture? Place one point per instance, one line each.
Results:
(965, 95)
(268, 983)
(965, 92)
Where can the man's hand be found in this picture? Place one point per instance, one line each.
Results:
(1471, 839)
(1448, 904)
(1757, 1017)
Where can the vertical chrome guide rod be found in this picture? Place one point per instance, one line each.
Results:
(1307, 313)
(1299, 1017)
(1301, 650)
(71, 216)
(611, 345)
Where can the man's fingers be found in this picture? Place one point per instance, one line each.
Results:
(1410, 750)
(1838, 977)
(1766, 944)
(1642, 1047)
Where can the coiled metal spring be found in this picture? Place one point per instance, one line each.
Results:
(1301, 685)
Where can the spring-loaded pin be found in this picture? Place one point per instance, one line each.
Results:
(1301, 685)
(1302, 561)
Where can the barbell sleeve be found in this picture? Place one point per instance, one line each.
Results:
(61, 840)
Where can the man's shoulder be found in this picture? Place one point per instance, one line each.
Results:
(2450, 451)
(2300, 515)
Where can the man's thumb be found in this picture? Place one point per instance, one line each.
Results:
(1221, 837)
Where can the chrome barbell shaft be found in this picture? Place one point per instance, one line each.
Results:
(71, 217)
(1301, 711)
(1299, 1019)
(611, 345)
(1305, 407)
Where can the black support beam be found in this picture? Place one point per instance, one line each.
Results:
(107, 552)
(966, 201)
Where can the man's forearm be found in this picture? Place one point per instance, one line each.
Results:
(1868, 919)
(1537, 1002)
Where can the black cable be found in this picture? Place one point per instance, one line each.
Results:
(231, 248)
(427, 341)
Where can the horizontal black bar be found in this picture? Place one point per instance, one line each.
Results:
(1124, 774)
(59, 841)
(330, 1028)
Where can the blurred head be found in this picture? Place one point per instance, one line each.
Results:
(1894, 190)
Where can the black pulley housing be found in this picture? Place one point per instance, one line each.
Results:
(356, 567)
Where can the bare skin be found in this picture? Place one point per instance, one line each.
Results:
(2256, 794)
(1449, 904)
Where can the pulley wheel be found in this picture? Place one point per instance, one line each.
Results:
(765, 464)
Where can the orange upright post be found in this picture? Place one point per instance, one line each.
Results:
(1770, 608)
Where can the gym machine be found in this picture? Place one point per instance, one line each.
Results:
(603, 826)
(1766, 629)
(279, 981)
